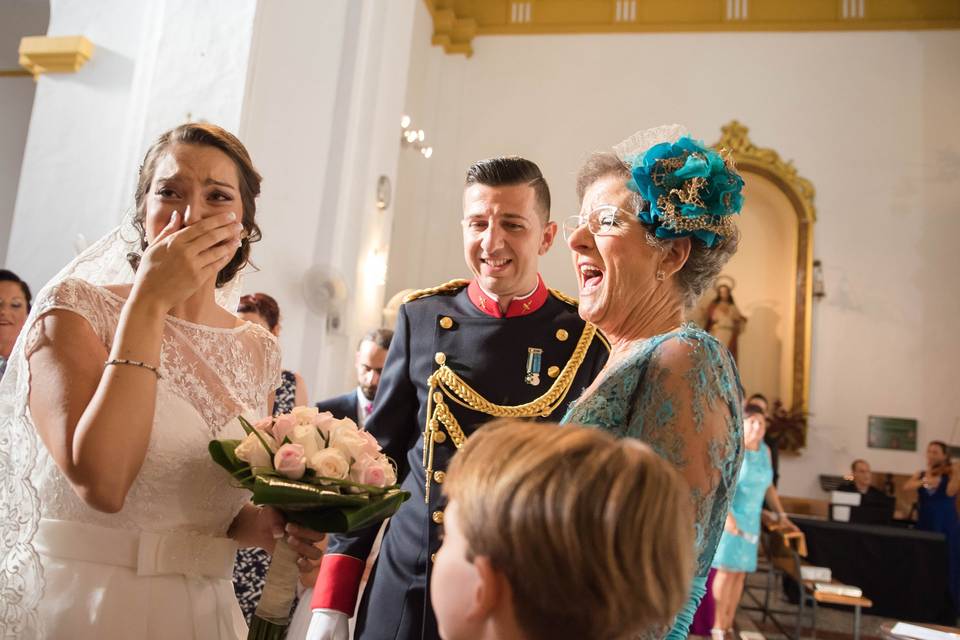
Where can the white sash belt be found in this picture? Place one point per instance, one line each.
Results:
(149, 554)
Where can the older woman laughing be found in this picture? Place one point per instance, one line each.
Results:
(654, 229)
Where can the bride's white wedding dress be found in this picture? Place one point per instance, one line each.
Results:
(160, 568)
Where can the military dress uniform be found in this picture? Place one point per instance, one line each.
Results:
(456, 362)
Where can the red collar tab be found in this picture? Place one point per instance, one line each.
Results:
(523, 307)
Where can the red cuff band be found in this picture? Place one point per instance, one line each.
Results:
(338, 584)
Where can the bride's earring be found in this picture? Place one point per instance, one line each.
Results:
(661, 276)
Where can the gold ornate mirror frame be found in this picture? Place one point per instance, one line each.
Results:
(799, 191)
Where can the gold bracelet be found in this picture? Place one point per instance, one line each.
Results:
(134, 363)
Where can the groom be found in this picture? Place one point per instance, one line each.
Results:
(500, 339)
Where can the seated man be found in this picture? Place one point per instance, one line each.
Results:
(869, 496)
(560, 532)
(357, 403)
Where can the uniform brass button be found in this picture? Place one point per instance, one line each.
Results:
(439, 477)
(433, 557)
(562, 335)
(439, 437)
(440, 358)
(553, 371)
(446, 322)
(437, 517)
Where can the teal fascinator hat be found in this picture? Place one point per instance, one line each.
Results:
(688, 189)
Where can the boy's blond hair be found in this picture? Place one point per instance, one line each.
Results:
(593, 533)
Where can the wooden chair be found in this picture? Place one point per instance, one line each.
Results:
(784, 550)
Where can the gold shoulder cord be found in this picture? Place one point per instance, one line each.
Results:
(446, 287)
(445, 385)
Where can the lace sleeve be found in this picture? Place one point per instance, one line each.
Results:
(688, 409)
(84, 299)
(267, 350)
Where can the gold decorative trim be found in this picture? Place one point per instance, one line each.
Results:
(63, 54)
(800, 192)
(457, 22)
(452, 32)
(445, 386)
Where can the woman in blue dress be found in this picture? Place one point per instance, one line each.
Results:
(737, 553)
(937, 488)
(655, 228)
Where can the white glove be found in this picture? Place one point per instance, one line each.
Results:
(328, 624)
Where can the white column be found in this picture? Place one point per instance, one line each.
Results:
(321, 119)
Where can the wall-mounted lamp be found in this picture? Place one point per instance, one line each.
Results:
(819, 291)
(414, 138)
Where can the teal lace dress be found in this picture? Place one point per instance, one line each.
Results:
(681, 394)
(739, 552)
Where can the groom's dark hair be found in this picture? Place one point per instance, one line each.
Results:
(505, 171)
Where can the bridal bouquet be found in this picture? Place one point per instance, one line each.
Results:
(322, 473)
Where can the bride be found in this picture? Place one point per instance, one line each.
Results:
(114, 522)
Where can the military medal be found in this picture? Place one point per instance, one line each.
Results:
(533, 366)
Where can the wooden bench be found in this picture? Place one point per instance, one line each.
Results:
(784, 550)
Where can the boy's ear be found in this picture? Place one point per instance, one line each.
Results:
(490, 588)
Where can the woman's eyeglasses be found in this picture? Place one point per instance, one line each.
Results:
(603, 220)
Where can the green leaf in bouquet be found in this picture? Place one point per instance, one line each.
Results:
(346, 519)
(224, 454)
(247, 427)
(284, 493)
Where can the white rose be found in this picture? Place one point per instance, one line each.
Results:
(305, 415)
(329, 463)
(251, 451)
(307, 437)
(346, 437)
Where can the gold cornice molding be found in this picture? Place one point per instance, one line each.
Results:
(735, 138)
(457, 22)
(767, 163)
(455, 34)
(59, 54)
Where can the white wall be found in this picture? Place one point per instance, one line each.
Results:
(18, 18)
(154, 65)
(868, 117)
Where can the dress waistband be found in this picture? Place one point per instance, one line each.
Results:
(148, 553)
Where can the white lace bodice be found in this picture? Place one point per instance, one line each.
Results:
(209, 376)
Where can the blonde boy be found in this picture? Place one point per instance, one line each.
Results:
(557, 532)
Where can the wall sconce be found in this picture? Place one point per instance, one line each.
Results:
(414, 138)
(819, 291)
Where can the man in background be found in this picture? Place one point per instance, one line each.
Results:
(357, 404)
(870, 496)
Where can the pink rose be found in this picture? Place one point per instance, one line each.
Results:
(290, 461)
(264, 426)
(374, 471)
(283, 426)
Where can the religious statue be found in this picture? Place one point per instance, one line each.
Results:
(724, 320)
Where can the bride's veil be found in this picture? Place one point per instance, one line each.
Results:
(21, 574)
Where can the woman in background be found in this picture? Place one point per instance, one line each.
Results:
(262, 309)
(737, 552)
(14, 306)
(937, 487)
